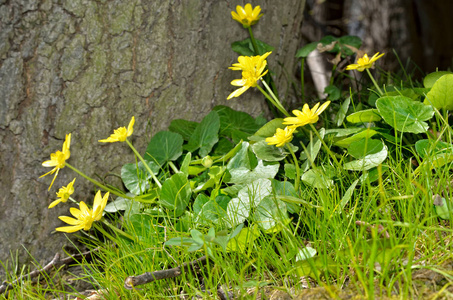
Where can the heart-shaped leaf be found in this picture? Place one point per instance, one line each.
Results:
(404, 114)
(441, 94)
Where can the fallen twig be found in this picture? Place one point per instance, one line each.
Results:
(55, 263)
(132, 281)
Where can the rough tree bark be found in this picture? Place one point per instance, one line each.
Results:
(86, 66)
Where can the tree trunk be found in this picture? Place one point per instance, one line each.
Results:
(87, 66)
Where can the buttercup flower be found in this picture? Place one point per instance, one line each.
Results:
(306, 116)
(246, 15)
(120, 134)
(84, 217)
(252, 68)
(281, 137)
(364, 62)
(58, 159)
(64, 193)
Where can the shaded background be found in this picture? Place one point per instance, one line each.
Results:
(87, 66)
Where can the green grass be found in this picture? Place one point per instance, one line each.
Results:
(349, 255)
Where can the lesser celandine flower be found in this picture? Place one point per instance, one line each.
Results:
(247, 15)
(252, 68)
(281, 137)
(84, 217)
(306, 116)
(58, 159)
(120, 134)
(364, 62)
(64, 193)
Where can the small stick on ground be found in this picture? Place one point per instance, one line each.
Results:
(55, 263)
(132, 281)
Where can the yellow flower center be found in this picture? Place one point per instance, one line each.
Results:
(59, 158)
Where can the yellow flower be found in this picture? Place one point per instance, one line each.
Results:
(252, 68)
(281, 137)
(64, 193)
(306, 116)
(58, 159)
(246, 15)
(84, 216)
(364, 62)
(120, 134)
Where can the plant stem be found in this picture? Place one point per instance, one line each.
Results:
(274, 101)
(296, 163)
(252, 38)
(105, 233)
(117, 230)
(326, 147)
(144, 164)
(98, 183)
(374, 82)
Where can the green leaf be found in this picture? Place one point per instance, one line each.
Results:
(441, 94)
(222, 147)
(312, 150)
(442, 208)
(267, 130)
(175, 194)
(365, 134)
(164, 146)
(341, 132)
(136, 179)
(119, 204)
(269, 152)
(349, 40)
(290, 171)
(239, 209)
(404, 114)
(428, 148)
(328, 40)
(286, 188)
(342, 112)
(183, 127)
(333, 92)
(319, 178)
(205, 135)
(180, 241)
(270, 214)
(245, 47)
(305, 253)
(306, 50)
(244, 240)
(185, 164)
(244, 175)
(360, 149)
(207, 211)
(232, 120)
(368, 162)
(244, 167)
(431, 78)
(364, 116)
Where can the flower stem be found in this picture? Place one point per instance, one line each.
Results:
(98, 183)
(275, 102)
(105, 233)
(145, 164)
(296, 163)
(252, 38)
(374, 82)
(117, 230)
(326, 147)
